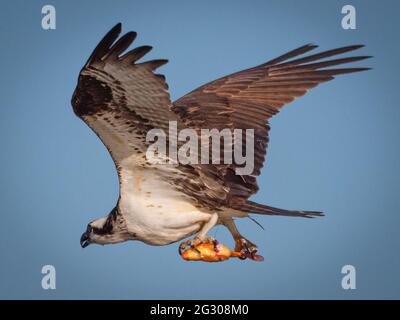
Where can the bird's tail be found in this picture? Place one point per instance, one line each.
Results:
(253, 207)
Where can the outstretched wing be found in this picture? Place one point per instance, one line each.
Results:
(249, 98)
(121, 99)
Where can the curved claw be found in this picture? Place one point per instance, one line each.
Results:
(183, 246)
(255, 257)
(248, 249)
(195, 242)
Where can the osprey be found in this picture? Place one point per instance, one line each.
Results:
(121, 99)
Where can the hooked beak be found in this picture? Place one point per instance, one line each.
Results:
(85, 239)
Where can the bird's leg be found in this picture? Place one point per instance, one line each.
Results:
(201, 236)
(241, 243)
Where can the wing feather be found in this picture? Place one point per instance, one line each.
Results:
(120, 99)
(248, 99)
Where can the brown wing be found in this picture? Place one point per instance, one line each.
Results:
(121, 99)
(249, 98)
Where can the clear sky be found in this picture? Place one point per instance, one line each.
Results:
(335, 150)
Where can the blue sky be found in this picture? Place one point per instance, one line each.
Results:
(335, 149)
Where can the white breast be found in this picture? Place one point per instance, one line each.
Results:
(153, 210)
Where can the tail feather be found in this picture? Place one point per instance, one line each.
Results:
(253, 207)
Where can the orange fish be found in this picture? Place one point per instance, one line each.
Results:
(211, 252)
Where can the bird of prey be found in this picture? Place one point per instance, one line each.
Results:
(121, 99)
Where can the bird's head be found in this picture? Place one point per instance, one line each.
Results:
(105, 230)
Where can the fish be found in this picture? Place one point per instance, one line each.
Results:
(215, 252)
